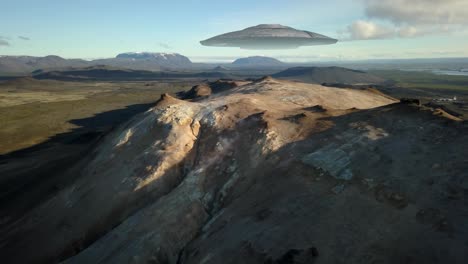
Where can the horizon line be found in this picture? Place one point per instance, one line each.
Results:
(284, 58)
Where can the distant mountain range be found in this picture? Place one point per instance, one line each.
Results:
(255, 65)
(132, 60)
(27, 64)
(104, 72)
(148, 61)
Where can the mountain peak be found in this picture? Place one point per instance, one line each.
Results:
(160, 57)
(146, 55)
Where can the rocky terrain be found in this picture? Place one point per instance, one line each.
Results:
(269, 171)
(207, 89)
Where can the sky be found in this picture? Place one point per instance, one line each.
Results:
(367, 29)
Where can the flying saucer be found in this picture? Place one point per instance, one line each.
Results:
(268, 36)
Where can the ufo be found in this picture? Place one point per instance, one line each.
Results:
(268, 36)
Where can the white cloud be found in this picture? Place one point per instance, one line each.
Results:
(418, 12)
(410, 31)
(409, 19)
(368, 30)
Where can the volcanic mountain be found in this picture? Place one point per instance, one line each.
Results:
(132, 60)
(256, 61)
(147, 61)
(269, 171)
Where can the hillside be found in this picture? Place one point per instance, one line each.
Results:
(321, 75)
(257, 61)
(103, 72)
(267, 172)
(151, 61)
(27, 64)
(147, 61)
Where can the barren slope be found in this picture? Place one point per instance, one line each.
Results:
(268, 172)
(328, 75)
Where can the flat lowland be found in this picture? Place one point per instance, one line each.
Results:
(33, 111)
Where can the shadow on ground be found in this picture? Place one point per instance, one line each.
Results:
(30, 175)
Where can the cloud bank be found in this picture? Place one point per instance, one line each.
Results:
(419, 12)
(407, 19)
(164, 45)
(3, 41)
(23, 38)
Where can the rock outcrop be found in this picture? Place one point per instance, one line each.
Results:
(206, 89)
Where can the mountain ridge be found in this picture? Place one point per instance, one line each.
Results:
(332, 74)
(153, 61)
(253, 61)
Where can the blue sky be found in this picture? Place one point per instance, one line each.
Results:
(99, 29)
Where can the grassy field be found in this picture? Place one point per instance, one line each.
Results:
(424, 80)
(33, 111)
(429, 88)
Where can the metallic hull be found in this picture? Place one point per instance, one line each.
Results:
(269, 37)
